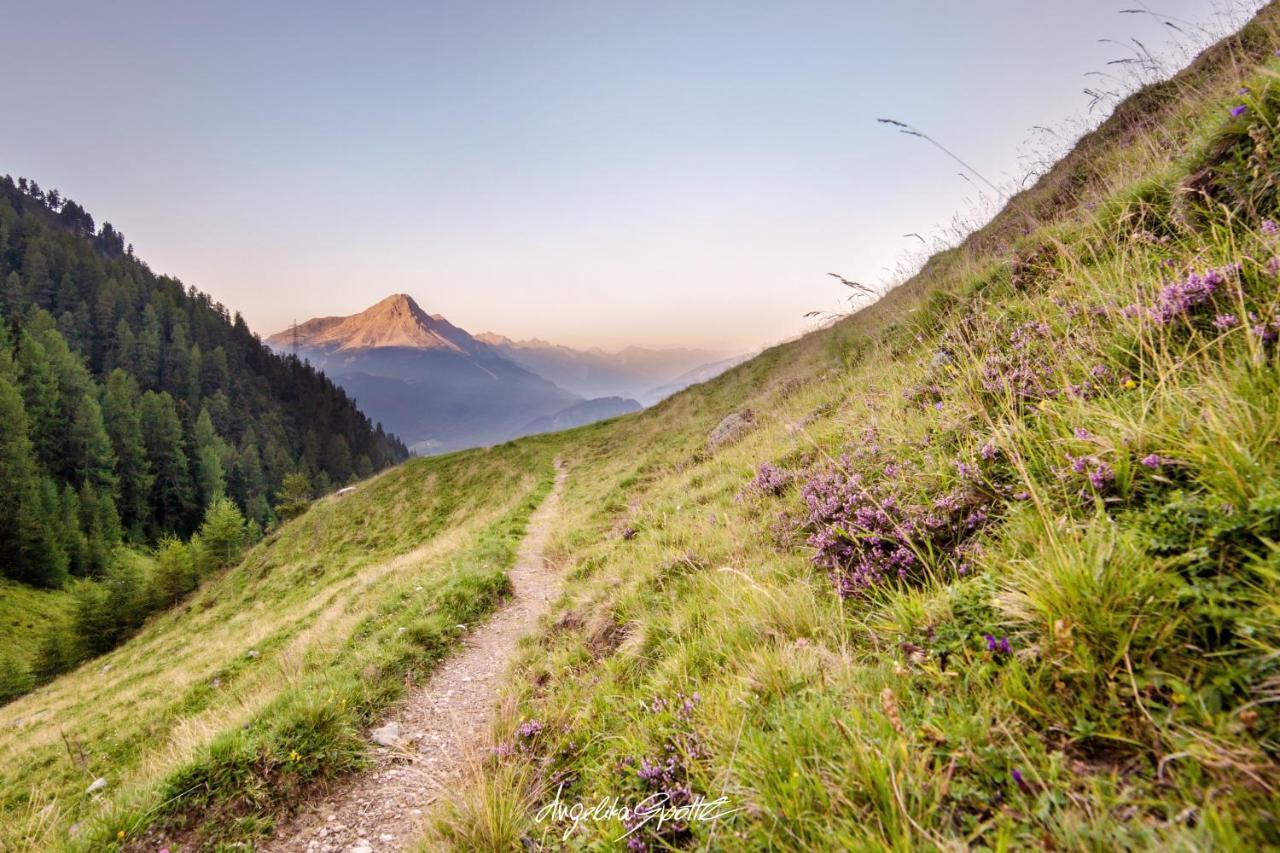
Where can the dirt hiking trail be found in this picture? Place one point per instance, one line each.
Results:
(429, 739)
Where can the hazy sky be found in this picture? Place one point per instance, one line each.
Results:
(591, 172)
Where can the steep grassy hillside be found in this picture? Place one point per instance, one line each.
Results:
(992, 563)
(221, 710)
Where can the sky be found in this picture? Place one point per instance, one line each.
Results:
(593, 173)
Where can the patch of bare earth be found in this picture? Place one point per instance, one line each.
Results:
(438, 730)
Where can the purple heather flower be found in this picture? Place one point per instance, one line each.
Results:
(966, 470)
(1022, 496)
(1269, 226)
(1225, 321)
(1101, 475)
(1273, 266)
(1082, 434)
(998, 647)
(1267, 333)
(1238, 111)
(989, 451)
(1078, 463)
(938, 405)
(1152, 460)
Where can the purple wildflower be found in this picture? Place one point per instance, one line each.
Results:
(965, 470)
(1019, 781)
(1001, 646)
(1180, 299)
(1225, 321)
(1152, 460)
(864, 536)
(1264, 331)
(1101, 475)
(769, 480)
(529, 730)
(989, 451)
(938, 405)
(1269, 226)
(1082, 434)
(1239, 110)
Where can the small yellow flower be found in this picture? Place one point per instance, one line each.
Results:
(1044, 405)
(120, 835)
(294, 756)
(1130, 384)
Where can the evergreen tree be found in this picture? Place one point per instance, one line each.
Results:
(175, 573)
(38, 282)
(294, 496)
(211, 480)
(337, 459)
(93, 459)
(17, 497)
(172, 492)
(123, 421)
(223, 532)
(248, 480)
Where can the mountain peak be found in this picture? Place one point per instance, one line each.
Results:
(394, 322)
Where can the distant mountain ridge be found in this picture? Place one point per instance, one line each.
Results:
(432, 382)
(631, 372)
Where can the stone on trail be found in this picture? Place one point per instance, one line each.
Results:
(388, 735)
(96, 786)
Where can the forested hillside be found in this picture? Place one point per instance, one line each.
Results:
(129, 404)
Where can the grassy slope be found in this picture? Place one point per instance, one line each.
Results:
(1138, 704)
(28, 614)
(25, 612)
(222, 710)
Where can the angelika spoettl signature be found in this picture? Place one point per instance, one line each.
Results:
(656, 807)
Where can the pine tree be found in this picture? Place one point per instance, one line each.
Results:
(223, 532)
(42, 559)
(123, 421)
(175, 574)
(172, 492)
(93, 459)
(337, 458)
(294, 496)
(144, 360)
(18, 474)
(248, 480)
(38, 282)
(210, 449)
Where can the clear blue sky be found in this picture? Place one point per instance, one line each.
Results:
(589, 172)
